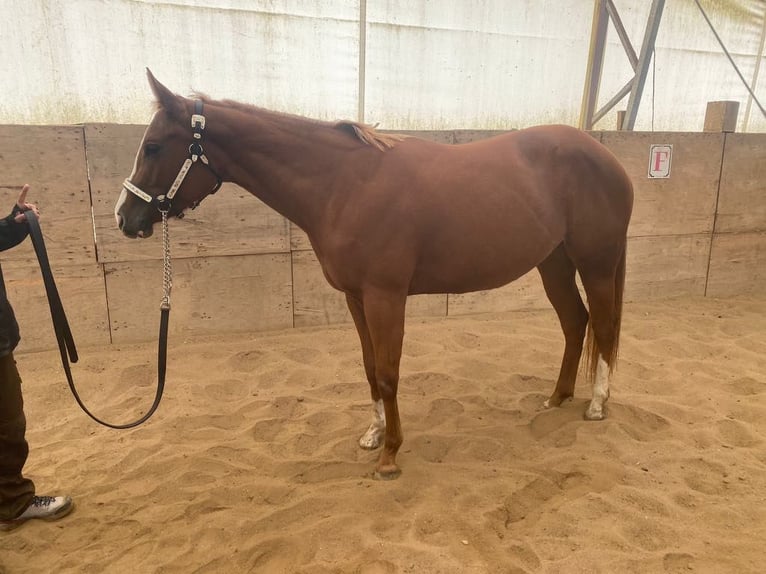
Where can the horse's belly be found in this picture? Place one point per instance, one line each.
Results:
(485, 267)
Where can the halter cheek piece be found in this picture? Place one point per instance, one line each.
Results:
(196, 153)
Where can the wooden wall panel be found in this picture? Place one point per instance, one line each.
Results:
(239, 266)
(235, 293)
(51, 159)
(467, 136)
(666, 266)
(682, 204)
(742, 200)
(657, 267)
(317, 303)
(524, 293)
(737, 265)
(299, 241)
(231, 222)
(81, 288)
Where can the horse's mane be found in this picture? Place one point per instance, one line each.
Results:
(365, 133)
(369, 135)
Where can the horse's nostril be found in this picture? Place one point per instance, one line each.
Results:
(120, 221)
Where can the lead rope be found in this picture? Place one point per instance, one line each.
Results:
(64, 335)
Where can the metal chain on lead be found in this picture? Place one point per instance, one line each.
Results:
(167, 275)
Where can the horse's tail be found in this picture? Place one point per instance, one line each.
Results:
(592, 350)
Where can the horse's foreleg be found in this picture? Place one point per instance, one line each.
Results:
(373, 438)
(558, 275)
(384, 312)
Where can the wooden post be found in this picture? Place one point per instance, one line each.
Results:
(620, 119)
(721, 116)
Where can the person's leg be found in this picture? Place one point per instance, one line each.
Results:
(16, 492)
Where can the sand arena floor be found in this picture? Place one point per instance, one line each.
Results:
(252, 464)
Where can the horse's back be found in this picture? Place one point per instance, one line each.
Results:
(479, 215)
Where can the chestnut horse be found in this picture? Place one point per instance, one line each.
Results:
(391, 216)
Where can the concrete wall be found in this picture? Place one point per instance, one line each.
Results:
(238, 266)
(407, 64)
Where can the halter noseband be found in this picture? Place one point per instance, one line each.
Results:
(196, 153)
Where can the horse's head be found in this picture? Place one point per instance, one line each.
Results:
(164, 177)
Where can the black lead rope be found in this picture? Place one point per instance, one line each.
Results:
(64, 334)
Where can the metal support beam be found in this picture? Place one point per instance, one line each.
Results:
(595, 64)
(642, 68)
(604, 10)
(362, 60)
(754, 83)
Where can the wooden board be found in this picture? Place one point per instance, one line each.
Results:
(316, 303)
(467, 136)
(682, 204)
(657, 267)
(670, 266)
(524, 293)
(52, 160)
(742, 200)
(299, 241)
(737, 265)
(235, 293)
(231, 222)
(234, 269)
(81, 288)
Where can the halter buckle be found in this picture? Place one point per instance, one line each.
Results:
(198, 121)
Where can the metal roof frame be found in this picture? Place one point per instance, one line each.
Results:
(603, 11)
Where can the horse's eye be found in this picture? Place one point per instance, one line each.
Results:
(151, 149)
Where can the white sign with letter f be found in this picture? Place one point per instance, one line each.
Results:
(660, 156)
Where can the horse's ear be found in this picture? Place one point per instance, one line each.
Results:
(166, 99)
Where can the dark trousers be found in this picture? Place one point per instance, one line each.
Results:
(16, 492)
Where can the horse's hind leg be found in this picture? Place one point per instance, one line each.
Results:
(374, 436)
(603, 282)
(558, 274)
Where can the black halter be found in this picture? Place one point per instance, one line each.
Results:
(196, 153)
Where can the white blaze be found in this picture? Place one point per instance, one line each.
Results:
(124, 193)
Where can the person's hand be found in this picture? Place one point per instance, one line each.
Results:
(22, 204)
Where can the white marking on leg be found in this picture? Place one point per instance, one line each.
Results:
(374, 435)
(595, 410)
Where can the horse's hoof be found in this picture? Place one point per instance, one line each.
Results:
(370, 441)
(595, 414)
(555, 401)
(373, 437)
(387, 473)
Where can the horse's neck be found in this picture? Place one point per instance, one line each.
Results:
(286, 162)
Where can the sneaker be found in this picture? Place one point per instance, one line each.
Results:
(42, 508)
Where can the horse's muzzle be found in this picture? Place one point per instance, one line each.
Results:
(143, 229)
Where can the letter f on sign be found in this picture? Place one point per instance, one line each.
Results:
(660, 157)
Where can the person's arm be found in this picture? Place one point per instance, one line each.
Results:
(14, 228)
